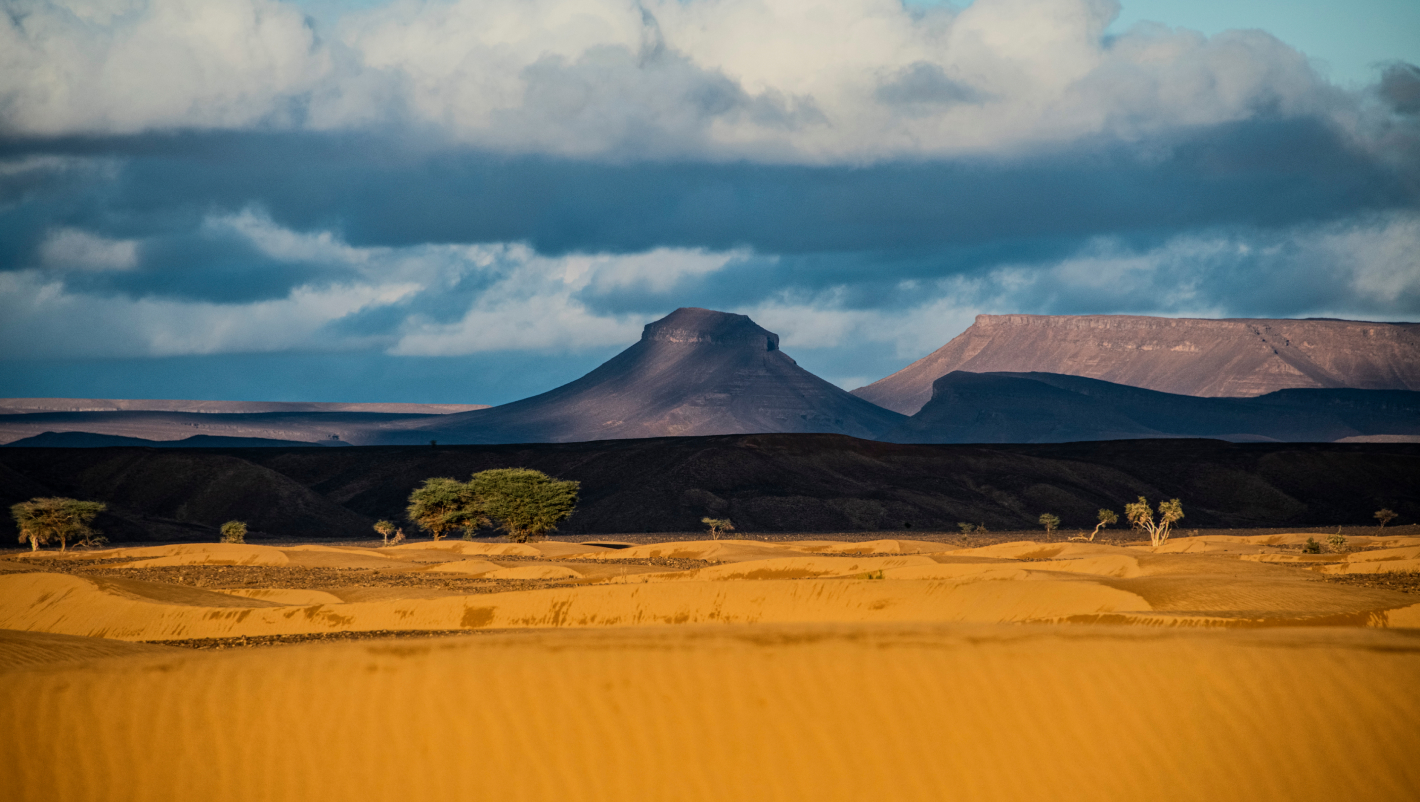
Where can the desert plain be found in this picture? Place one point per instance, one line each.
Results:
(1211, 667)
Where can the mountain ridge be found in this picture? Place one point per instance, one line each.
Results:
(1229, 357)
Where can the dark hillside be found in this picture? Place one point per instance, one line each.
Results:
(175, 494)
(766, 483)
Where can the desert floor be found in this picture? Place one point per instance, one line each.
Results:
(1211, 668)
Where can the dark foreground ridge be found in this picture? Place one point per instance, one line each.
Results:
(1054, 408)
(764, 483)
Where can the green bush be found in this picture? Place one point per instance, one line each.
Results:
(234, 532)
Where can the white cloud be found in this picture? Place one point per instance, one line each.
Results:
(76, 66)
(445, 300)
(72, 248)
(775, 80)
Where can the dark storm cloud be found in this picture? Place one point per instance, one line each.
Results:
(1400, 86)
(1267, 173)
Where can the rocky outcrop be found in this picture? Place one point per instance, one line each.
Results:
(694, 372)
(1238, 357)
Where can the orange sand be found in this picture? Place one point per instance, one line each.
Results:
(1208, 669)
(839, 712)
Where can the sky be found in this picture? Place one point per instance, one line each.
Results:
(460, 201)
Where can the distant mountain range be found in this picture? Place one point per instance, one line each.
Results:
(1010, 378)
(90, 440)
(1173, 355)
(23, 406)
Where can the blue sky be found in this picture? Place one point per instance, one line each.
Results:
(475, 201)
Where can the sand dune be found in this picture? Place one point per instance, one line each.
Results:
(839, 712)
(197, 554)
(80, 606)
(30, 649)
(1216, 668)
(1207, 582)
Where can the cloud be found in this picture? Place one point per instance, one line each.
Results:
(505, 180)
(450, 300)
(71, 248)
(379, 191)
(133, 65)
(772, 81)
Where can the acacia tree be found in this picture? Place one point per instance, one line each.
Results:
(1385, 517)
(44, 519)
(718, 525)
(525, 502)
(1106, 518)
(1049, 521)
(1142, 517)
(385, 528)
(441, 505)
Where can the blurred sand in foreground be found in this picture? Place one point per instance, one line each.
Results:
(1225, 669)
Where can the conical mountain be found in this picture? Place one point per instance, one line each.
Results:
(694, 372)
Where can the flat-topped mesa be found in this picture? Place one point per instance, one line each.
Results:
(691, 325)
(1235, 357)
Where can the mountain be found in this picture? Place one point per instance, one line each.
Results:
(1053, 408)
(90, 440)
(1239, 357)
(322, 428)
(762, 482)
(694, 372)
(21, 406)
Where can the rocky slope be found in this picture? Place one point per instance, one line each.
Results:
(694, 372)
(764, 483)
(1241, 357)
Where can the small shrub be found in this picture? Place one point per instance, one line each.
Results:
(1337, 542)
(234, 532)
(92, 540)
(966, 528)
(1311, 546)
(398, 537)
